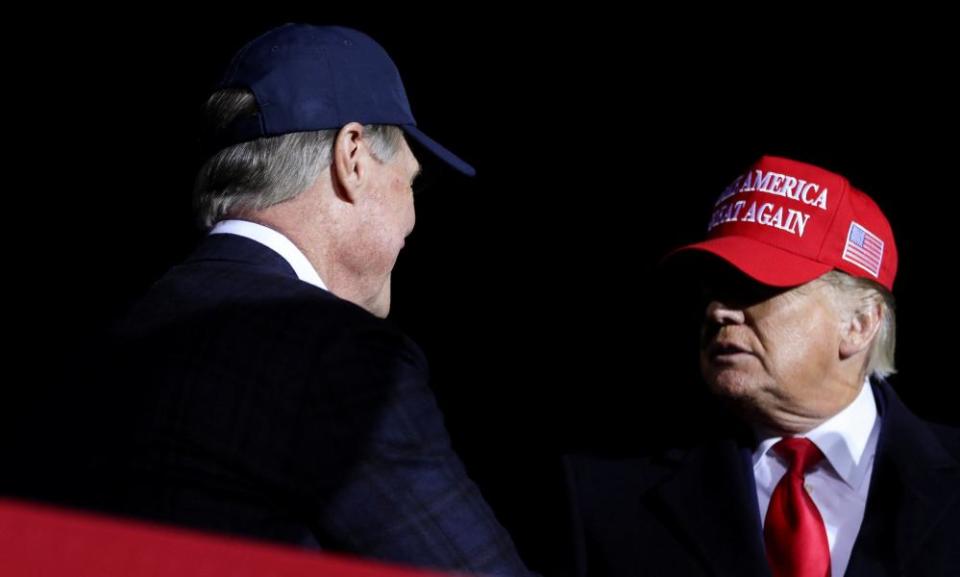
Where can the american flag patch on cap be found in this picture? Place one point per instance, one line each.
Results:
(863, 249)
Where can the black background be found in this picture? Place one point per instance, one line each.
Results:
(601, 141)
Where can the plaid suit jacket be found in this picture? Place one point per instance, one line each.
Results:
(237, 398)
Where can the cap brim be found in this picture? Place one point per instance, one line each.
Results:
(436, 148)
(763, 263)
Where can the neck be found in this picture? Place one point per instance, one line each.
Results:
(327, 242)
(791, 417)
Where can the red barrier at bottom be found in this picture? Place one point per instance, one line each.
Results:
(44, 541)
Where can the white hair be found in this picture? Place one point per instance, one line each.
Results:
(267, 171)
(857, 293)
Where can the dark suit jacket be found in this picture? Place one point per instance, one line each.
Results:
(237, 398)
(695, 513)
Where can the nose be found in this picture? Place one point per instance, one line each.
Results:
(721, 314)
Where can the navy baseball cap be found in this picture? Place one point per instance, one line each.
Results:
(308, 78)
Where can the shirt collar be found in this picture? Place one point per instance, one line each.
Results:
(843, 438)
(276, 242)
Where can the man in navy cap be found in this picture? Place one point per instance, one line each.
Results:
(826, 472)
(256, 388)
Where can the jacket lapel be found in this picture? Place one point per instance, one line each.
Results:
(914, 481)
(712, 501)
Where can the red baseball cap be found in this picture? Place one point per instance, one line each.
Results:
(785, 223)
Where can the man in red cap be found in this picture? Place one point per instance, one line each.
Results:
(833, 475)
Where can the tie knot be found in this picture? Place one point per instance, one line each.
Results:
(800, 452)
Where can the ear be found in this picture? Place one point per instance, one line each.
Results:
(349, 161)
(857, 331)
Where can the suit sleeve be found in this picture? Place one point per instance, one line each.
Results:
(404, 495)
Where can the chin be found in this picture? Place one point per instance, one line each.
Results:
(731, 384)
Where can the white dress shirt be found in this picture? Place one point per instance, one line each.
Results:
(276, 242)
(838, 484)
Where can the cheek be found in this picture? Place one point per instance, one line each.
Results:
(800, 349)
(409, 215)
(401, 201)
(405, 204)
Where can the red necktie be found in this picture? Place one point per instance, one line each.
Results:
(794, 533)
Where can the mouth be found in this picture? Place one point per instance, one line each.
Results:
(726, 351)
